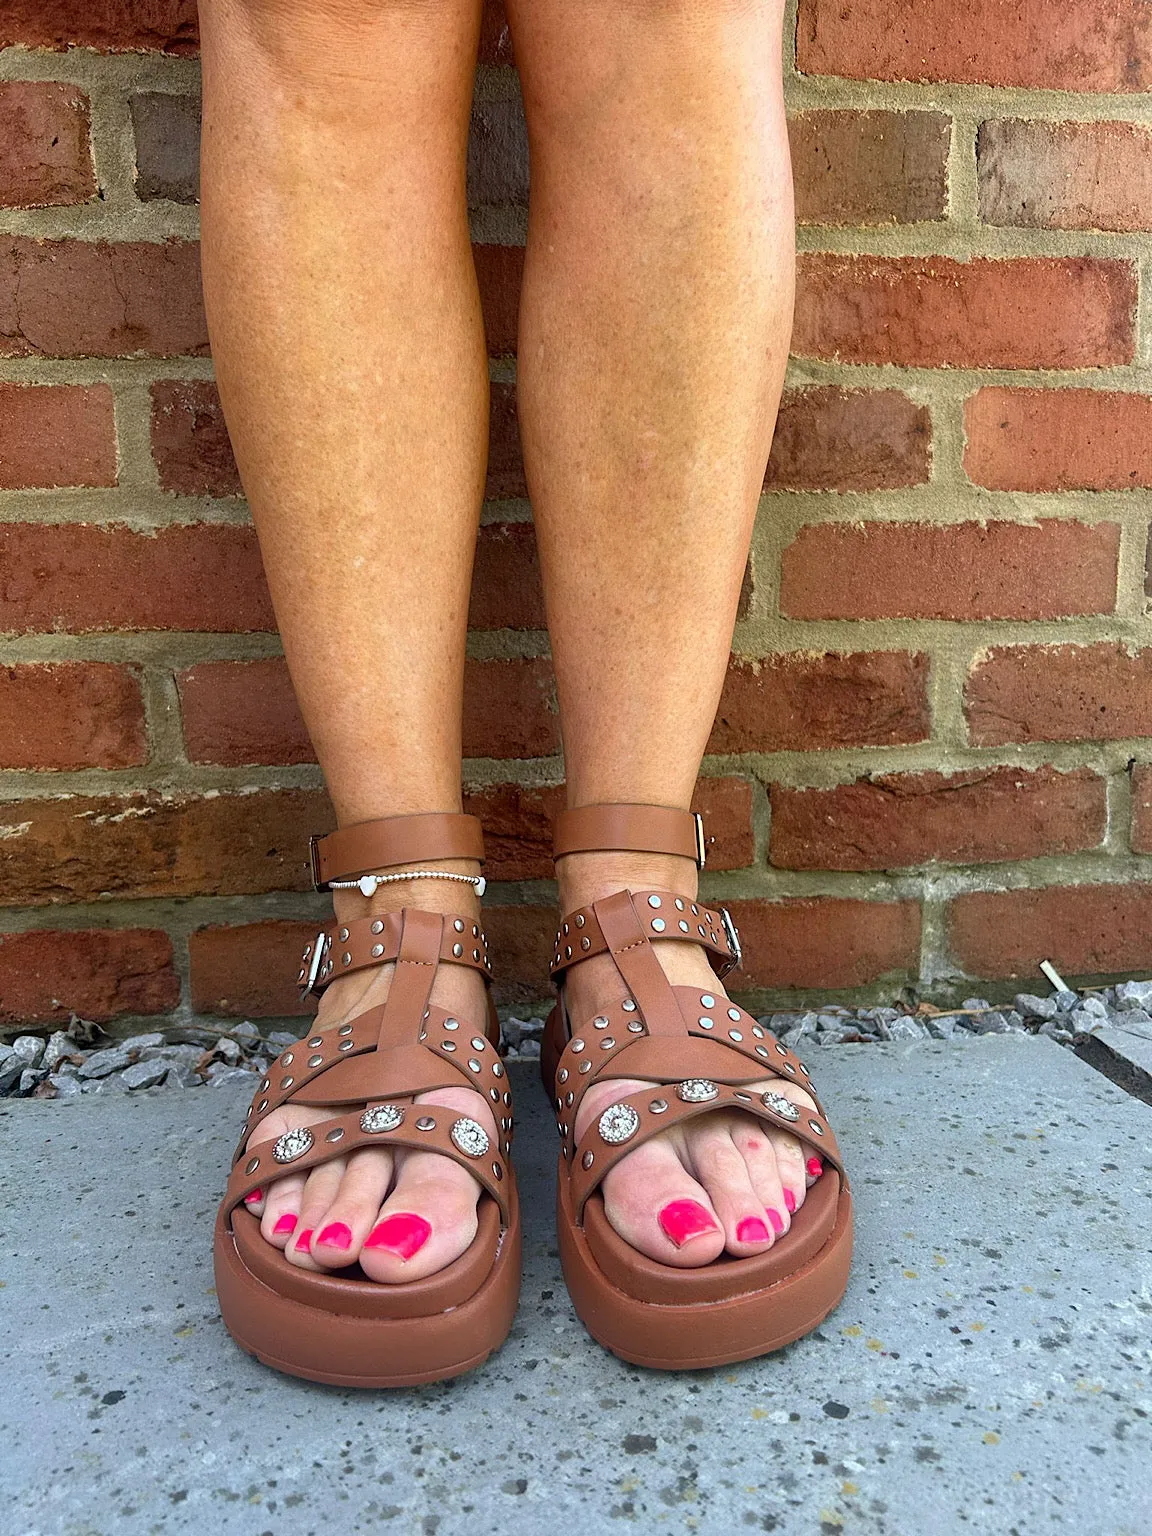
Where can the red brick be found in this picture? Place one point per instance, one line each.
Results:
(870, 167)
(520, 941)
(500, 271)
(1141, 808)
(45, 154)
(249, 970)
(795, 701)
(825, 942)
(112, 26)
(241, 712)
(56, 434)
(900, 570)
(86, 577)
(933, 312)
(90, 298)
(1065, 175)
(832, 439)
(510, 708)
(71, 714)
(190, 439)
(99, 973)
(95, 847)
(1021, 693)
(1085, 930)
(1094, 45)
(1058, 440)
(984, 815)
(505, 458)
(506, 579)
(495, 37)
(518, 823)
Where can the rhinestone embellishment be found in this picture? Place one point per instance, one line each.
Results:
(618, 1123)
(780, 1104)
(470, 1137)
(697, 1090)
(292, 1144)
(381, 1117)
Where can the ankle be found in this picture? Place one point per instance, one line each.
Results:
(583, 878)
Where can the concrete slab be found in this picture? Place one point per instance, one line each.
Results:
(1130, 1047)
(989, 1370)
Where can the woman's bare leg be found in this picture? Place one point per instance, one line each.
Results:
(349, 350)
(655, 321)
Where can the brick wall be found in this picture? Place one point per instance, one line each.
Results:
(932, 763)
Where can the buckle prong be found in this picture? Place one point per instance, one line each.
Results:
(314, 863)
(701, 848)
(318, 951)
(730, 933)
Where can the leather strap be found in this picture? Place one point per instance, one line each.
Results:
(660, 915)
(341, 948)
(370, 845)
(629, 829)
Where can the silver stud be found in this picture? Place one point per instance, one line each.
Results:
(805, 1070)
(781, 1050)
(734, 1034)
(293, 1144)
(377, 950)
(425, 1123)
(315, 1041)
(618, 1123)
(565, 927)
(343, 935)
(478, 1044)
(679, 904)
(347, 1045)
(705, 1022)
(654, 901)
(378, 925)
(345, 1029)
(788, 1067)
(587, 1160)
(635, 1028)
(783, 1107)
(700, 930)
(346, 958)
(252, 1165)
(337, 1134)
(683, 926)
(507, 1097)
(585, 942)
(475, 931)
(760, 1051)
(497, 1069)
(658, 1106)
(265, 1085)
(494, 1095)
(474, 1065)
(459, 925)
(695, 910)
(628, 1005)
(497, 1171)
(476, 954)
(733, 1014)
(600, 1022)
(262, 1106)
(817, 1127)
(579, 919)
(607, 1043)
(286, 1059)
(562, 1075)
(745, 1098)
(757, 1031)
(286, 1082)
(568, 1097)
(451, 1023)
(447, 1045)
(585, 1066)
(315, 1061)
(568, 952)
(576, 1047)
(470, 1136)
(697, 1090)
(707, 1000)
(381, 1117)
(657, 925)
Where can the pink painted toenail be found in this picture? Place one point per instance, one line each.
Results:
(303, 1240)
(336, 1235)
(751, 1230)
(287, 1223)
(776, 1219)
(401, 1234)
(789, 1201)
(815, 1167)
(683, 1220)
(254, 1197)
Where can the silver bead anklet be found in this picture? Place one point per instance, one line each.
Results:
(367, 884)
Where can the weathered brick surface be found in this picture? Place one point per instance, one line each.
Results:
(520, 941)
(84, 577)
(71, 714)
(100, 973)
(1058, 439)
(249, 970)
(510, 708)
(109, 25)
(1021, 693)
(869, 167)
(935, 312)
(499, 271)
(505, 457)
(167, 129)
(1142, 808)
(89, 847)
(1094, 45)
(825, 942)
(190, 439)
(45, 153)
(506, 592)
(55, 435)
(833, 439)
(1046, 175)
(88, 298)
(796, 702)
(904, 570)
(238, 712)
(1085, 930)
(983, 815)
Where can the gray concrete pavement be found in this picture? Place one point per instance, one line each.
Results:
(989, 1370)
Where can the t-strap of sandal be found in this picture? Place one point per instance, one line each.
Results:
(341, 1326)
(704, 1053)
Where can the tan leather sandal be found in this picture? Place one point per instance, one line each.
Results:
(340, 1326)
(704, 1052)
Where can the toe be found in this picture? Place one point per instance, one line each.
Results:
(281, 1209)
(722, 1166)
(428, 1220)
(340, 1230)
(655, 1204)
(757, 1147)
(320, 1189)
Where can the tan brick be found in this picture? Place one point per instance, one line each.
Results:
(45, 154)
(1058, 439)
(869, 167)
(1043, 175)
(833, 439)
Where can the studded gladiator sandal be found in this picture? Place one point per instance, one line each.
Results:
(705, 1053)
(341, 1326)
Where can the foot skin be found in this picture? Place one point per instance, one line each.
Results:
(403, 1215)
(724, 1180)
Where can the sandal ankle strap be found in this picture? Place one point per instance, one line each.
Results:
(370, 845)
(630, 828)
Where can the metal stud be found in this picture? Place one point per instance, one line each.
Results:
(476, 954)
(497, 1171)
(635, 1028)
(425, 1123)
(683, 926)
(585, 1066)
(679, 904)
(576, 1047)
(760, 1051)
(628, 1005)
(734, 1013)
(585, 942)
(451, 1023)
(293, 1144)
(697, 1090)
(695, 910)
(447, 1045)
(470, 1137)
(705, 1022)
(377, 950)
(381, 1117)
(478, 1044)
(781, 1050)
(734, 1034)
(286, 1059)
(788, 1067)
(457, 950)
(343, 935)
(757, 1031)
(817, 1127)
(336, 1134)
(286, 1082)
(658, 1106)
(579, 919)
(474, 1065)
(262, 1106)
(657, 925)
(568, 1097)
(345, 1029)
(600, 1022)
(459, 925)
(618, 1124)
(607, 1043)
(587, 1160)
(782, 1106)
(494, 1095)
(565, 927)
(265, 1085)
(507, 1097)
(378, 925)
(562, 1075)
(252, 1165)
(707, 1000)
(497, 1069)
(315, 1041)
(315, 1061)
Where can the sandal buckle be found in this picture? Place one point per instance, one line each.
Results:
(314, 863)
(701, 848)
(320, 948)
(736, 959)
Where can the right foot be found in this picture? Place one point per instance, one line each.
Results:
(402, 1215)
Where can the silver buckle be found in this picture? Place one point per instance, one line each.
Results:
(318, 952)
(314, 863)
(701, 853)
(736, 959)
